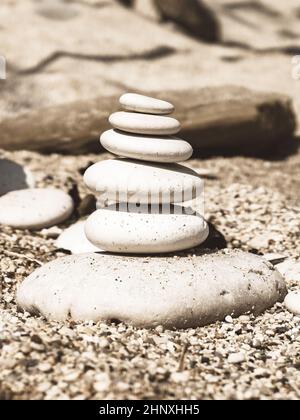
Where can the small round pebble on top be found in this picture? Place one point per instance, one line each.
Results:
(35, 208)
(141, 103)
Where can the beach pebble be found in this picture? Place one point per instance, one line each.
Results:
(292, 303)
(144, 123)
(290, 270)
(124, 180)
(51, 233)
(150, 148)
(141, 233)
(189, 291)
(140, 103)
(74, 240)
(236, 358)
(14, 177)
(35, 208)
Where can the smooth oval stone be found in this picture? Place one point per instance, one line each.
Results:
(140, 103)
(35, 208)
(125, 180)
(14, 177)
(151, 149)
(292, 302)
(189, 291)
(144, 123)
(145, 233)
(74, 240)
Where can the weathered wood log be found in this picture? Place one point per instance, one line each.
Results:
(221, 118)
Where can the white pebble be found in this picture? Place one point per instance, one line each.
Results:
(140, 103)
(148, 292)
(35, 208)
(148, 148)
(144, 123)
(128, 181)
(292, 302)
(74, 239)
(236, 358)
(141, 233)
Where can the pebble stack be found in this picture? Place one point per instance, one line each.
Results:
(142, 189)
(141, 196)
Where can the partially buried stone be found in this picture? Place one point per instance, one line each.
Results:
(184, 292)
(35, 208)
(141, 232)
(144, 124)
(73, 239)
(148, 148)
(145, 104)
(125, 180)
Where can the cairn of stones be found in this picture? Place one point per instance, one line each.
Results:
(140, 192)
(142, 195)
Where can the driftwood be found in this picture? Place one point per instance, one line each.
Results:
(221, 118)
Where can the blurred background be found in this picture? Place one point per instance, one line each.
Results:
(230, 66)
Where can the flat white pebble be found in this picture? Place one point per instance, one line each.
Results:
(140, 103)
(142, 233)
(148, 148)
(236, 358)
(144, 123)
(36, 208)
(292, 302)
(74, 239)
(125, 180)
(14, 177)
(151, 291)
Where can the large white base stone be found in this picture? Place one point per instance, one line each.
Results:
(181, 292)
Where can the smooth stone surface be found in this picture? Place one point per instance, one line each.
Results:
(144, 123)
(125, 180)
(292, 302)
(145, 104)
(74, 240)
(14, 177)
(236, 358)
(290, 270)
(142, 233)
(150, 148)
(189, 291)
(35, 208)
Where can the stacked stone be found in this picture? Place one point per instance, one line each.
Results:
(141, 189)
